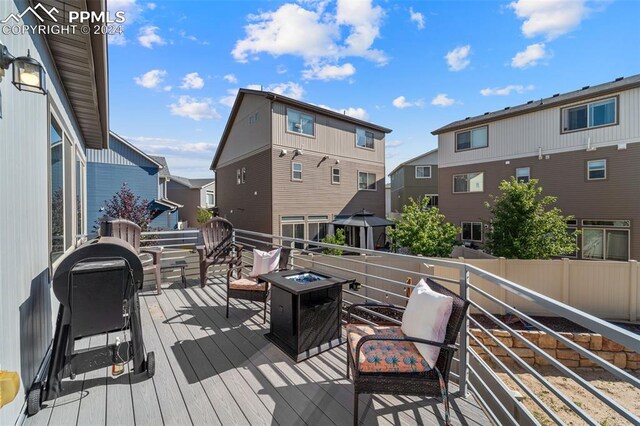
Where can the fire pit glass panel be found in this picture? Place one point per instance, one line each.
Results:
(306, 278)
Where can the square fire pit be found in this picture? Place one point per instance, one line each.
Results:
(305, 312)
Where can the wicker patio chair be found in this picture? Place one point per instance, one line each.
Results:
(241, 286)
(218, 248)
(412, 375)
(130, 232)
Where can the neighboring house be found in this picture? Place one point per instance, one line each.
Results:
(192, 193)
(145, 175)
(387, 200)
(289, 167)
(43, 140)
(582, 146)
(415, 178)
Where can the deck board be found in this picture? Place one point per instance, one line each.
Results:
(213, 370)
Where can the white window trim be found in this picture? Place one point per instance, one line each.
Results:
(293, 178)
(562, 115)
(206, 198)
(589, 169)
(367, 189)
(339, 176)
(238, 176)
(423, 177)
(373, 138)
(455, 139)
(604, 243)
(522, 168)
(453, 181)
(472, 223)
(286, 127)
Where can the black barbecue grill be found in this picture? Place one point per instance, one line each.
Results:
(96, 286)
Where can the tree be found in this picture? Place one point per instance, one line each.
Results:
(423, 230)
(203, 215)
(525, 226)
(337, 239)
(126, 205)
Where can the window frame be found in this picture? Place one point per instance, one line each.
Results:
(375, 180)
(313, 116)
(604, 231)
(294, 220)
(373, 139)
(333, 175)
(422, 177)
(604, 168)
(462, 223)
(244, 175)
(293, 171)
(616, 121)
(468, 191)
(206, 197)
(238, 176)
(528, 168)
(470, 131)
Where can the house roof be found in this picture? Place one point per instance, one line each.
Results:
(164, 171)
(399, 166)
(151, 158)
(289, 101)
(554, 101)
(164, 204)
(193, 183)
(363, 218)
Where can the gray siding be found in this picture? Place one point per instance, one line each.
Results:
(189, 198)
(27, 307)
(542, 129)
(564, 176)
(119, 153)
(405, 185)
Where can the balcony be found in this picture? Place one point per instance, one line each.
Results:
(214, 370)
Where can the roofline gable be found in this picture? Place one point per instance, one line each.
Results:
(133, 147)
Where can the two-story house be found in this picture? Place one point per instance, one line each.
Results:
(191, 194)
(415, 178)
(290, 168)
(582, 146)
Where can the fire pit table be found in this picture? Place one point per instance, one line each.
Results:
(305, 312)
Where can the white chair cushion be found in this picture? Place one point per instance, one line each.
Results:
(426, 317)
(264, 262)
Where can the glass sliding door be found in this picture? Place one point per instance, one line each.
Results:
(56, 180)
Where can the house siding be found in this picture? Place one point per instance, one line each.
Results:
(408, 186)
(189, 198)
(248, 205)
(562, 175)
(542, 129)
(27, 306)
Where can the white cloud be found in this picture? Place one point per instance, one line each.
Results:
(417, 17)
(281, 69)
(151, 79)
(359, 113)
(231, 78)
(529, 57)
(402, 103)
(329, 72)
(289, 89)
(392, 144)
(190, 37)
(229, 100)
(194, 109)
(549, 18)
(147, 37)
(192, 81)
(117, 39)
(320, 37)
(132, 11)
(443, 100)
(167, 88)
(150, 6)
(505, 91)
(458, 58)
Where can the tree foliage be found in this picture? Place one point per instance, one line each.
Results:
(203, 215)
(126, 205)
(524, 224)
(423, 230)
(337, 239)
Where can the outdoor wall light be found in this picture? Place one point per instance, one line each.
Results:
(28, 73)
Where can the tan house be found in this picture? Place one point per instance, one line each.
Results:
(415, 178)
(291, 168)
(191, 193)
(582, 146)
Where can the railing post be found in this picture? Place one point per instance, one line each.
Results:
(502, 271)
(633, 290)
(565, 280)
(463, 370)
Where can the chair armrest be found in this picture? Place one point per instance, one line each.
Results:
(156, 254)
(201, 252)
(230, 271)
(370, 306)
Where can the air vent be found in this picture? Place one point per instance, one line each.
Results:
(555, 95)
(585, 87)
(506, 108)
(530, 102)
(467, 118)
(486, 113)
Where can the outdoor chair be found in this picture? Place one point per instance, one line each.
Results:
(130, 232)
(241, 286)
(410, 375)
(218, 248)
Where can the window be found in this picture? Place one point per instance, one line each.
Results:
(472, 231)
(57, 191)
(244, 174)
(317, 226)
(523, 174)
(605, 244)
(571, 230)
(597, 169)
(433, 200)
(335, 175)
(80, 176)
(299, 122)
(472, 139)
(423, 172)
(293, 227)
(253, 118)
(296, 171)
(211, 198)
(469, 182)
(594, 114)
(367, 181)
(364, 138)
(238, 177)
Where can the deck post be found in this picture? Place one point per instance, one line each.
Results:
(463, 370)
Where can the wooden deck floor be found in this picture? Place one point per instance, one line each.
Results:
(213, 370)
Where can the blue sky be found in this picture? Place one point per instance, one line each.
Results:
(409, 66)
